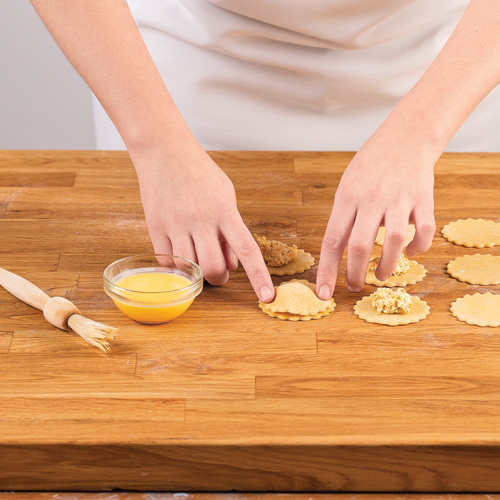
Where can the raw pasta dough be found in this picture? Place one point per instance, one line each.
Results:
(478, 233)
(476, 269)
(481, 309)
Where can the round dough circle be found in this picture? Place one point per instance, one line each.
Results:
(415, 274)
(379, 240)
(481, 309)
(365, 310)
(301, 263)
(477, 233)
(476, 269)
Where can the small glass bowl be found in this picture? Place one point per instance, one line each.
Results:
(158, 306)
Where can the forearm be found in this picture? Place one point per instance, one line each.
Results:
(461, 76)
(104, 45)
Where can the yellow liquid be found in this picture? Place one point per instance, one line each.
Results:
(153, 307)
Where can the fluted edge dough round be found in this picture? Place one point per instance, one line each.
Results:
(365, 310)
(477, 233)
(480, 309)
(476, 269)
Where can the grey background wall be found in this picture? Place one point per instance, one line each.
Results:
(44, 103)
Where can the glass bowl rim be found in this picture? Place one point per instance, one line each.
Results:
(186, 289)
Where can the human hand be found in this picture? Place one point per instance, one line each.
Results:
(191, 212)
(389, 182)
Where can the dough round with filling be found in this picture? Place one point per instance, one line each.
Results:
(301, 263)
(365, 310)
(477, 233)
(415, 274)
(481, 309)
(476, 269)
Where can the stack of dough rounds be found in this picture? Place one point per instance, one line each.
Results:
(477, 233)
(296, 300)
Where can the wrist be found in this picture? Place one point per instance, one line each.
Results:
(414, 127)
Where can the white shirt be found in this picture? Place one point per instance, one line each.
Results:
(297, 74)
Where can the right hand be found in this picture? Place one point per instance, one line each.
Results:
(191, 212)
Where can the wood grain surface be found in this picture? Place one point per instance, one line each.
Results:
(224, 397)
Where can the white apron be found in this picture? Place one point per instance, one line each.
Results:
(297, 74)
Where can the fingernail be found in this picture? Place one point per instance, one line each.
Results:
(410, 254)
(265, 293)
(235, 260)
(385, 277)
(324, 293)
(354, 289)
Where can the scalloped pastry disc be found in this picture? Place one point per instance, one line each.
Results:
(481, 309)
(476, 269)
(296, 300)
(415, 274)
(477, 233)
(379, 240)
(301, 263)
(365, 310)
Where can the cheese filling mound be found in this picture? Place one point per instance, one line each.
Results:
(402, 266)
(388, 301)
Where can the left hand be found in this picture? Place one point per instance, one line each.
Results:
(388, 182)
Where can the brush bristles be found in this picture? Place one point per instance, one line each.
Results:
(93, 332)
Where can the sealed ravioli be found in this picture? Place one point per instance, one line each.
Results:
(296, 300)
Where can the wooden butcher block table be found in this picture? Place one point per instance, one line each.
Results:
(225, 397)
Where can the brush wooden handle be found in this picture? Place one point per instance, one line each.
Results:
(23, 289)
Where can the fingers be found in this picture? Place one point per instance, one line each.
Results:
(360, 248)
(396, 230)
(161, 243)
(229, 256)
(211, 259)
(246, 249)
(425, 227)
(334, 242)
(183, 246)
